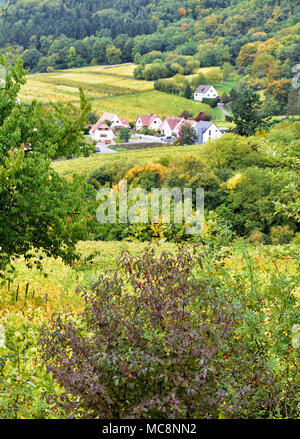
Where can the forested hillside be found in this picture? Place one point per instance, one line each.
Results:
(66, 33)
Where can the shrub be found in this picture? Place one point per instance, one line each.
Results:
(125, 134)
(212, 102)
(203, 116)
(281, 234)
(193, 173)
(23, 378)
(257, 237)
(111, 174)
(296, 239)
(147, 176)
(166, 86)
(234, 152)
(187, 135)
(249, 201)
(157, 341)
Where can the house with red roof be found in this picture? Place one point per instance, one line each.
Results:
(116, 122)
(150, 121)
(169, 125)
(102, 133)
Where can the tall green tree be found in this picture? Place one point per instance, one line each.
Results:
(187, 92)
(247, 112)
(293, 106)
(38, 208)
(188, 135)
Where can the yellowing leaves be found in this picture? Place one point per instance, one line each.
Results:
(234, 181)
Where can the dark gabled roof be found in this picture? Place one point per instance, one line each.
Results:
(203, 88)
(203, 125)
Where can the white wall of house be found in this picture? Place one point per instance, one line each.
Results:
(116, 121)
(211, 93)
(212, 133)
(103, 136)
(139, 124)
(155, 124)
(165, 129)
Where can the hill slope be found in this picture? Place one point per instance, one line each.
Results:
(68, 33)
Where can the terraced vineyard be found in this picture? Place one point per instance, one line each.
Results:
(63, 86)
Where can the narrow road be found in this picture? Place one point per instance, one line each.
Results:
(222, 108)
(103, 149)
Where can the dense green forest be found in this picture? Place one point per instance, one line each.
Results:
(67, 33)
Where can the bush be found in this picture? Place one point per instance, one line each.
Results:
(147, 176)
(125, 134)
(166, 86)
(281, 235)
(257, 237)
(249, 201)
(110, 174)
(212, 102)
(157, 341)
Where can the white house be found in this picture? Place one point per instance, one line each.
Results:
(205, 91)
(102, 133)
(169, 125)
(207, 131)
(150, 121)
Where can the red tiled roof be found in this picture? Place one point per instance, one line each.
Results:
(147, 119)
(108, 116)
(173, 121)
(124, 120)
(99, 126)
(192, 123)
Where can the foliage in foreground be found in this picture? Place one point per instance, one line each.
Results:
(169, 337)
(38, 209)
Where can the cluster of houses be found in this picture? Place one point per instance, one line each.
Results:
(104, 131)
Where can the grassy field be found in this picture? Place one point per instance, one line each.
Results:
(112, 89)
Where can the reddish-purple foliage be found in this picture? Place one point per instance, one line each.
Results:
(155, 341)
(203, 116)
